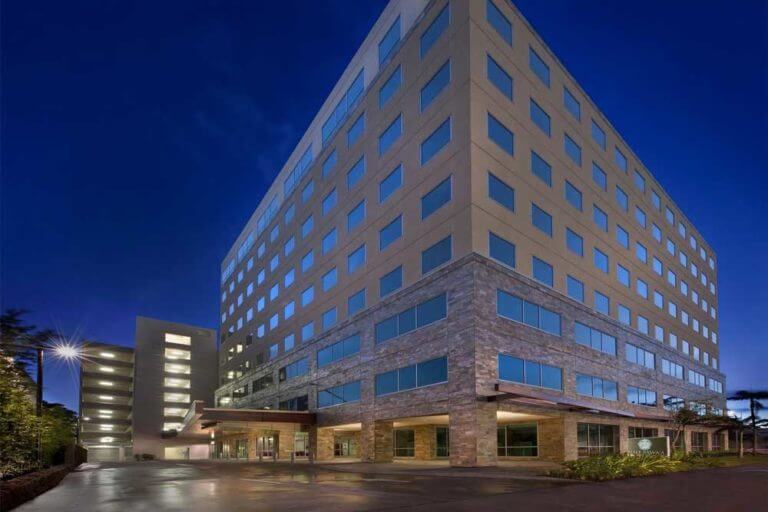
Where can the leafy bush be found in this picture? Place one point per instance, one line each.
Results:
(615, 466)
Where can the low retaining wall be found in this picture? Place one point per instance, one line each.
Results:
(21, 489)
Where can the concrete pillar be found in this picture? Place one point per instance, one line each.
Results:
(424, 438)
(725, 441)
(323, 444)
(570, 438)
(473, 433)
(623, 438)
(382, 441)
(552, 439)
(687, 441)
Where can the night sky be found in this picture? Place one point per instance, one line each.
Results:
(138, 138)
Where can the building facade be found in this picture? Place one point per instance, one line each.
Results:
(463, 259)
(134, 399)
(106, 401)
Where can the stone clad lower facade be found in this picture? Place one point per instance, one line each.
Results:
(441, 381)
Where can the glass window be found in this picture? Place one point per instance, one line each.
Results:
(622, 199)
(436, 198)
(498, 77)
(620, 159)
(600, 260)
(306, 194)
(596, 439)
(596, 387)
(499, 134)
(519, 310)
(391, 282)
(640, 216)
(329, 163)
(573, 195)
(389, 42)
(543, 272)
(436, 255)
(356, 302)
(307, 331)
(600, 218)
(639, 181)
(501, 250)
(593, 338)
(517, 440)
(598, 135)
(391, 183)
(541, 118)
(290, 212)
(641, 252)
(541, 219)
(575, 288)
(356, 216)
(499, 22)
(623, 275)
(622, 236)
(602, 303)
(339, 350)
(329, 241)
(390, 87)
(572, 149)
(307, 261)
(541, 169)
(599, 176)
(501, 192)
(436, 85)
(356, 259)
(574, 242)
(436, 141)
(356, 130)
(391, 232)
(523, 371)
(434, 31)
(329, 201)
(307, 296)
(328, 319)
(571, 104)
(356, 173)
(306, 227)
(637, 355)
(329, 279)
(538, 66)
(390, 135)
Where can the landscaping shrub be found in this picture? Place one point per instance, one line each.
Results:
(611, 467)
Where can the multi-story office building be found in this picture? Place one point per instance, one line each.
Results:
(462, 258)
(132, 400)
(174, 367)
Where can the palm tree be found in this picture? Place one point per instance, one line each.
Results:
(754, 408)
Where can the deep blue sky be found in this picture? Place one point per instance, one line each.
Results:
(138, 137)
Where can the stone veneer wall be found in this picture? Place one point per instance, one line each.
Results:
(471, 336)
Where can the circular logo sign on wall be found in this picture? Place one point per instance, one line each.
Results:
(644, 444)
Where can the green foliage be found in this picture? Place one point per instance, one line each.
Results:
(18, 423)
(612, 467)
(19, 426)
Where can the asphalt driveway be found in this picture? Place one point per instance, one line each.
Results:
(210, 486)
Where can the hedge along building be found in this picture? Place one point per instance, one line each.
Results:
(462, 259)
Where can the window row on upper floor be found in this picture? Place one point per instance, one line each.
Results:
(538, 65)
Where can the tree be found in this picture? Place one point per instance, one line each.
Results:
(754, 408)
(18, 423)
(19, 340)
(682, 418)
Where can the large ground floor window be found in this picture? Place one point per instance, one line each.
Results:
(241, 448)
(698, 441)
(596, 439)
(517, 440)
(442, 442)
(344, 446)
(404, 443)
(677, 444)
(717, 442)
(642, 432)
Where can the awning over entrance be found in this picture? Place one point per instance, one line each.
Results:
(200, 418)
(535, 398)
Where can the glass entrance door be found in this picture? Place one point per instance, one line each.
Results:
(344, 446)
(267, 445)
(301, 444)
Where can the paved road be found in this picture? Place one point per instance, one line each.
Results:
(212, 486)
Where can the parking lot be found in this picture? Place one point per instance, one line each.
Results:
(239, 486)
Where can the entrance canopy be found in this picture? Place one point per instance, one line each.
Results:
(525, 396)
(200, 419)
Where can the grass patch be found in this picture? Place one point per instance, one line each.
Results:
(626, 465)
